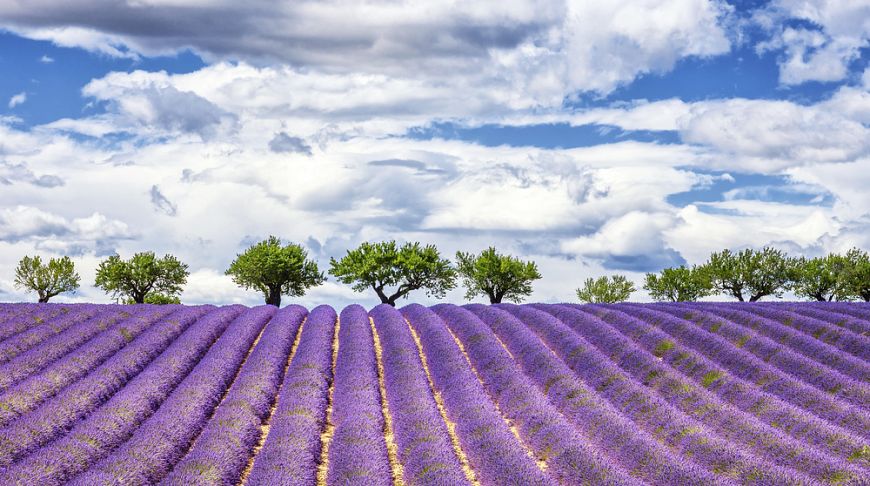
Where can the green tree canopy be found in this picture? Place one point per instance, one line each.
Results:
(678, 284)
(141, 275)
(606, 290)
(749, 273)
(856, 276)
(275, 269)
(47, 280)
(822, 278)
(496, 276)
(385, 264)
(157, 298)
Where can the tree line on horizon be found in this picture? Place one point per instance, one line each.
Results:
(392, 271)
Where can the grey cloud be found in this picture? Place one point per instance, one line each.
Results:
(411, 164)
(651, 262)
(157, 106)
(249, 240)
(183, 111)
(258, 29)
(188, 175)
(416, 165)
(402, 194)
(52, 232)
(161, 202)
(48, 181)
(284, 143)
(11, 173)
(36, 229)
(314, 244)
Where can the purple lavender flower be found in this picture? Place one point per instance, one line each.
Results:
(33, 336)
(221, 451)
(26, 394)
(614, 435)
(78, 441)
(829, 333)
(745, 395)
(749, 332)
(731, 360)
(851, 315)
(685, 435)
(725, 420)
(425, 450)
(678, 393)
(497, 456)
(162, 439)
(833, 312)
(358, 452)
(292, 449)
(785, 335)
(21, 317)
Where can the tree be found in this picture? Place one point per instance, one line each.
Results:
(409, 267)
(157, 299)
(275, 269)
(606, 290)
(820, 278)
(758, 273)
(679, 284)
(856, 276)
(54, 278)
(140, 276)
(496, 276)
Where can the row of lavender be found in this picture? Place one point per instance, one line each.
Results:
(533, 394)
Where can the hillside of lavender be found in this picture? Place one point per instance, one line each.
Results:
(670, 394)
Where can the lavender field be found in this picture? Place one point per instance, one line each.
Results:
(700, 393)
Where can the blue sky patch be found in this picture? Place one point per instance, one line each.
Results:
(52, 77)
(549, 136)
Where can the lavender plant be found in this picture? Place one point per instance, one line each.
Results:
(89, 419)
(745, 395)
(696, 401)
(358, 453)
(780, 336)
(26, 394)
(221, 451)
(496, 455)
(47, 328)
(21, 317)
(291, 451)
(425, 449)
(633, 450)
(551, 437)
(163, 438)
(741, 364)
(688, 437)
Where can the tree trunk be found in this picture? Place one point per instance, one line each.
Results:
(43, 299)
(739, 297)
(274, 298)
(383, 296)
(754, 298)
(391, 300)
(498, 296)
(139, 298)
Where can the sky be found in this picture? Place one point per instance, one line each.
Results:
(593, 137)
